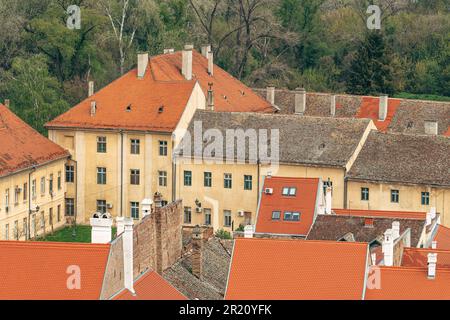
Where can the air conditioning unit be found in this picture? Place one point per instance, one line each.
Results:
(198, 210)
(109, 205)
(241, 213)
(268, 191)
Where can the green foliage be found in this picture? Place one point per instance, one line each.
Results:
(222, 234)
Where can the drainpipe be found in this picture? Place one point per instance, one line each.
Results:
(345, 192)
(121, 173)
(74, 233)
(28, 235)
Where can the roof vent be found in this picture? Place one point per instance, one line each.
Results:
(7, 103)
(431, 127)
(93, 108)
(161, 109)
(432, 260)
(129, 108)
(383, 107)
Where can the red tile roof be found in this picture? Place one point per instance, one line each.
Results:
(21, 146)
(38, 270)
(304, 202)
(369, 109)
(443, 237)
(399, 283)
(239, 97)
(151, 286)
(415, 257)
(381, 214)
(265, 269)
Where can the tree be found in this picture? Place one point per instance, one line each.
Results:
(370, 71)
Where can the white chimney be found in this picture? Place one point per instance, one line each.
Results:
(388, 248)
(270, 95)
(186, 68)
(101, 231)
(333, 105)
(146, 207)
(142, 64)
(395, 230)
(248, 231)
(433, 213)
(431, 127)
(300, 101)
(328, 200)
(428, 219)
(432, 261)
(211, 63)
(383, 107)
(167, 51)
(374, 258)
(205, 50)
(120, 224)
(127, 241)
(433, 244)
(210, 98)
(7, 103)
(93, 108)
(91, 88)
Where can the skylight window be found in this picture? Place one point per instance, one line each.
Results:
(289, 191)
(291, 216)
(276, 215)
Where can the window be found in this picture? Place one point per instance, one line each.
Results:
(227, 218)
(163, 178)
(70, 207)
(327, 184)
(187, 215)
(365, 194)
(227, 181)
(134, 210)
(395, 194)
(101, 144)
(135, 146)
(207, 217)
(289, 191)
(59, 180)
(33, 189)
(135, 177)
(101, 175)
(248, 182)
(25, 228)
(288, 216)
(25, 191)
(16, 230)
(163, 148)
(101, 206)
(16, 195)
(50, 184)
(43, 221)
(7, 232)
(276, 215)
(207, 179)
(58, 213)
(6, 200)
(33, 224)
(188, 178)
(70, 174)
(425, 198)
(295, 216)
(42, 185)
(50, 216)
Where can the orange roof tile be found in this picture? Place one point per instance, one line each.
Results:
(151, 286)
(443, 237)
(369, 109)
(415, 257)
(21, 146)
(239, 97)
(447, 133)
(38, 270)
(399, 283)
(266, 269)
(303, 202)
(381, 214)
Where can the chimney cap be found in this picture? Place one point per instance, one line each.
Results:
(7, 103)
(189, 47)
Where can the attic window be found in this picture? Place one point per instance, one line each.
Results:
(291, 216)
(289, 191)
(242, 92)
(276, 215)
(225, 97)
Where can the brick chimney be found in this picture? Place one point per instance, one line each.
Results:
(300, 101)
(431, 127)
(210, 98)
(395, 230)
(333, 105)
(93, 108)
(270, 95)
(383, 107)
(210, 57)
(249, 231)
(91, 89)
(328, 199)
(197, 256)
(186, 68)
(388, 248)
(101, 231)
(142, 64)
(205, 50)
(432, 261)
(7, 103)
(127, 243)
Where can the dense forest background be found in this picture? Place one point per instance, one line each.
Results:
(322, 45)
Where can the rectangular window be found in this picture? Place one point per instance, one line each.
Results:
(43, 221)
(248, 182)
(135, 146)
(287, 216)
(188, 178)
(7, 200)
(289, 191)
(295, 216)
(58, 213)
(101, 144)
(207, 217)
(135, 178)
(227, 218)
(50, 216)
(425, 198)
(365, 194)
(276, 215)
(50, 185)
(33, 189)
(70, 207)
(42, 185)
(163, 148)
(16, 195)
(101, 206)
(187, 215)
(16, 230)
(25, 228)
(134, 210)
(207, 179)
(101, 175)
(59, 181)
(227, 181)
(7, 232)
(70, 174)
(25, 191)
(395, 195)
(163, 178)
(33, 225)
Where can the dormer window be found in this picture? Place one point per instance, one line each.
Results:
(291, 216)
(276, 215)
(289, 191)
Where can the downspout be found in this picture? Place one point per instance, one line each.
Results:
(76, 197)
(258, 164)
(121, 173)
(345, 190)
(174, 173)
(28, 235)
